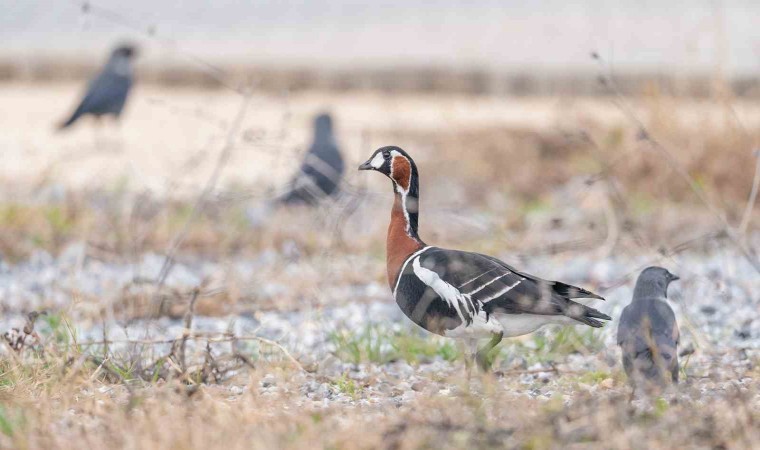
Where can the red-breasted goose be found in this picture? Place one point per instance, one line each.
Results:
(463, 294)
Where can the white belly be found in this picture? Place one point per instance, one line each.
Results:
(480, 328)
(519, 324)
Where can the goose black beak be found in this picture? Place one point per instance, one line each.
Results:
(366, 166)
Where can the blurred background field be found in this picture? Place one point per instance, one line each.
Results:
(582, 142)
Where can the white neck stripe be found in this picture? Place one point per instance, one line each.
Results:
(406, 215)
(403, 266)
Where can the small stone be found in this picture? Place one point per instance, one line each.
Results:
(418, 386)
(383, 388)
(408, 396)
(743, 334)
(709, 310)
(268, 381)
(324, 391)
(268, 392)
(607, 383)
(401, 387)
(330, 365)
(74, 254)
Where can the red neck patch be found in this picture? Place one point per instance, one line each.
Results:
(399, 244)
(401, 172)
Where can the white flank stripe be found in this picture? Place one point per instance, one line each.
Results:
(503, 291)
(403, 267)
(447, 292)
(487, 284)
(475, 278)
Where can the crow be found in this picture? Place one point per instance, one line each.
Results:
(108, 91)
(321, 170)
(648, 332)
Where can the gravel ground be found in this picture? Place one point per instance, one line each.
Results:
(580, 394)
(716, 300)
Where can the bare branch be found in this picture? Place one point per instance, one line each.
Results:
(621, 102)
(221, 161)
(188, 328)
(747, 216)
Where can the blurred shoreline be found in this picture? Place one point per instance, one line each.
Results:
(398, 79)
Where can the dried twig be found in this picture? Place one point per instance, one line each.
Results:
(747, 216)
(209, 337)
(188, 328)
(224, 156)
(620, 101)
(534, 371)
(150, 32)
(678, 248)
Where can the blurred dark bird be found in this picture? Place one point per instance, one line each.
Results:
(648, 332)
(108, 91)
(321, 170)
(465, 295)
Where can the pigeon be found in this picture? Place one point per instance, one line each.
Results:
(108, 91)
(321, 170)
(648, 332)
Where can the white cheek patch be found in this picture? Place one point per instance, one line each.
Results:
(377, 161)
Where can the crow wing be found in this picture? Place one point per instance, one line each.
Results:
(107, 93)
(649, 336)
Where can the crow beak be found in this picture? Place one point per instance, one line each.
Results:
(366, 166)
(674, 277)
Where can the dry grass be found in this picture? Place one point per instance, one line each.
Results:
(532, 164)
(575, 168)
(54, 403)
(512, 172)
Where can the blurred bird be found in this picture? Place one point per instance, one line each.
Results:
(465, 295)
(108, 91)
(321, 170)
(648, 332)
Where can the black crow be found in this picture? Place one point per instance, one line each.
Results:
(322, 167)
(107, 92)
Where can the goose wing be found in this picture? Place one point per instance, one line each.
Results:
(472, 282)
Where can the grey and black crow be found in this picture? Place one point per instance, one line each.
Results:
(322, 167)
(108, 91)
(648, 332)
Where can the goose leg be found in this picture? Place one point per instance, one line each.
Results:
(481, 357)
(465, 349)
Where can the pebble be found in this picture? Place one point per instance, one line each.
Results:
(713, 291)
(268, 381)
(408, 396)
